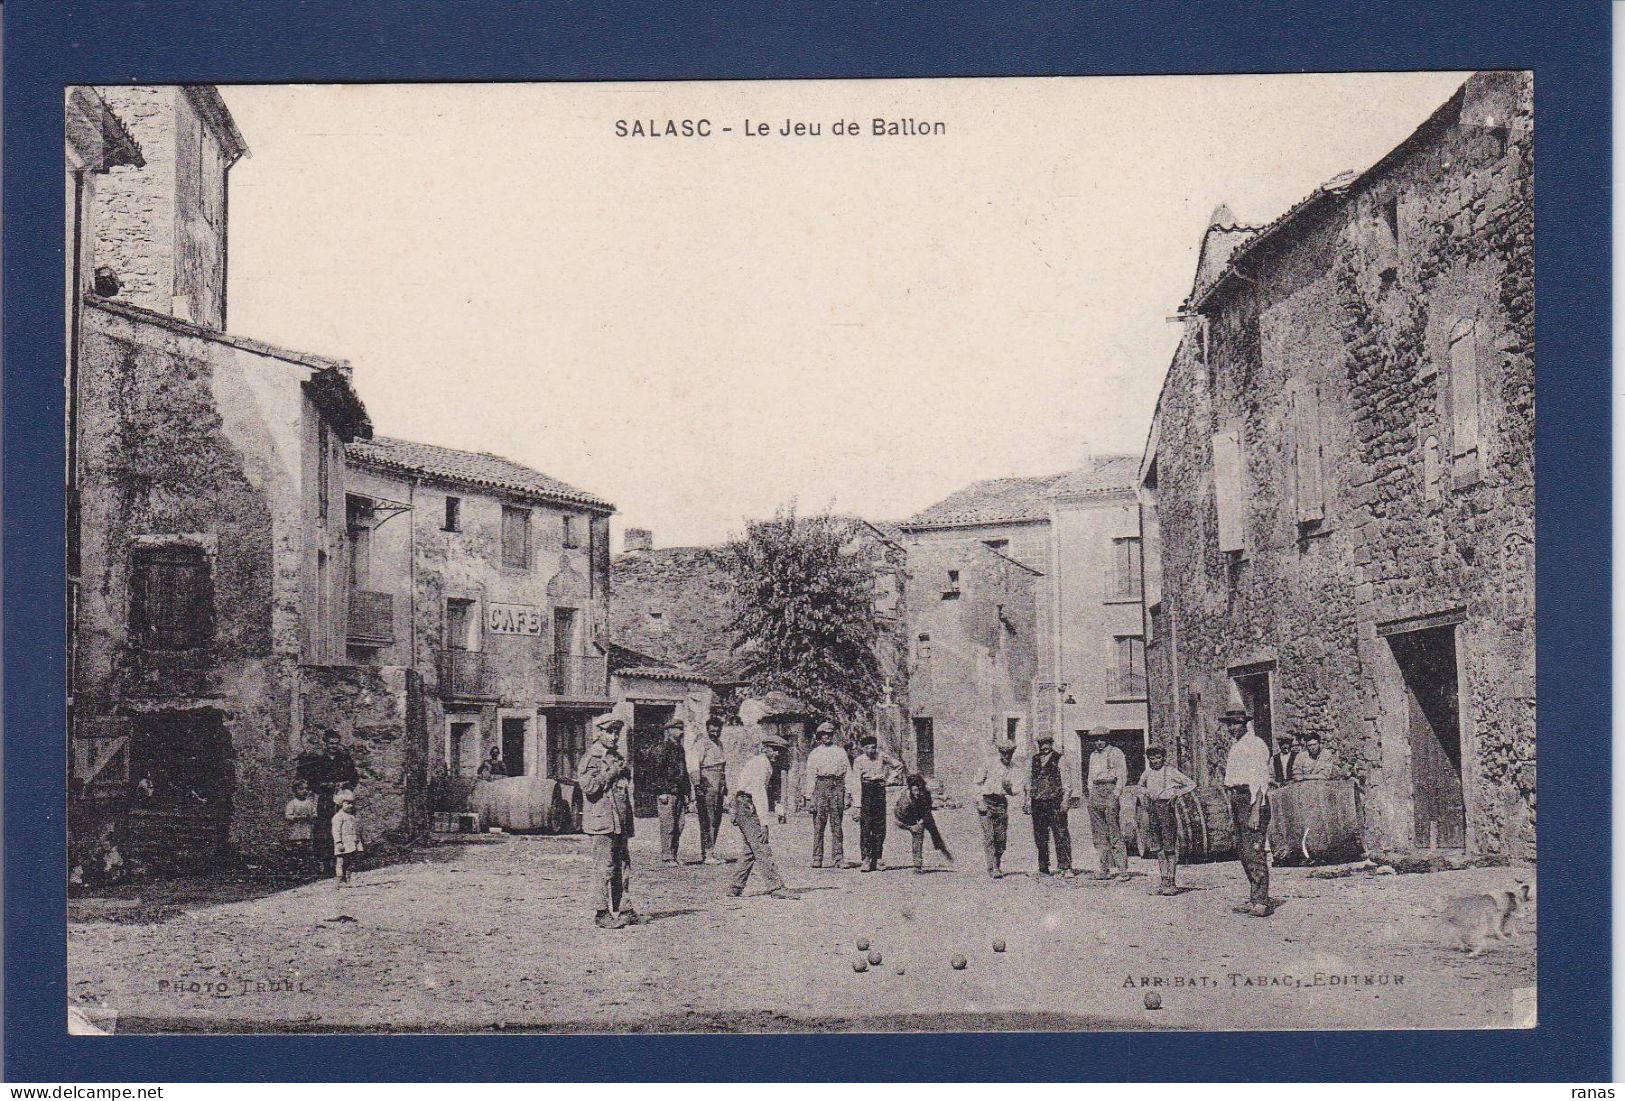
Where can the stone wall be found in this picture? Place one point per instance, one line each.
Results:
(378, 712)
(1363, 295)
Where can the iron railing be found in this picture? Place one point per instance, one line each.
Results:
(463, 674)
(574, 675)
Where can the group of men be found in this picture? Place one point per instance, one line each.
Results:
(679, 777)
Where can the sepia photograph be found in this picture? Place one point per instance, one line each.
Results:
(1008, 554)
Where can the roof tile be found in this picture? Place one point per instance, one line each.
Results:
(476, 468)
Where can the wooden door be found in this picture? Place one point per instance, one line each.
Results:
(1427, 661)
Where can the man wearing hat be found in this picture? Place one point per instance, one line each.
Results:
(872, 769)
(750, 808)
(1247, 775)
(999, 781)
(1048, 798)
(669, 782)
(606, 817)
(1108, 776)
(710, 784)
(1160, 787)
(824, 786)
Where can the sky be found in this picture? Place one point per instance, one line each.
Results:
(704, 329)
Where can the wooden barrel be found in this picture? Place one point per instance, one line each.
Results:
(519, 804)
(1316, 822)
(1206, 830)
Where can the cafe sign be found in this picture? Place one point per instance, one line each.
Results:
(513, 619)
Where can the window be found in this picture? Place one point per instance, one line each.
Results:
(515, 733)
(454, 514)
(358, 523)
(1227, 491)
(459, 624)
(1128, 672)
(566, 742)
(1012, 728)
(1123, 580)
(172, 601)
(572, 531)
(996, 544)
(1303, 419)
(515, 538)
(322, 477)
(1464, 400)
(952, 591)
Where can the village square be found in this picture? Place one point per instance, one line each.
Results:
(1235, 730)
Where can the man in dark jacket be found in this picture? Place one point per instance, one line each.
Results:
(606, 817)
(1048, 798)
(670, 784)
(913, 812)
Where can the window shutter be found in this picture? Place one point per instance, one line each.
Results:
(1464, 391)
(1308, 483)
(515, 537)
(1227, 490)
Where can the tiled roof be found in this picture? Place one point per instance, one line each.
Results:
(996, 501)
(475, 468)
(1109, 474)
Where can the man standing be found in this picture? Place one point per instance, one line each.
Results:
(1048, 798)
(1311, 763)
(606, 817)
(1247, 775)
(750, 808)
(671, 788)
(1281, 762)
(328, 769)
(872, 768)
(1108, 775)
(824, 785)
(710, 782)
(998, 782)
(1160, 786)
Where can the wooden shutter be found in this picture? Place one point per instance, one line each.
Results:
(171, 606)
(515, 537)
(1308, 482)
(1227, 490)
(1464, 390)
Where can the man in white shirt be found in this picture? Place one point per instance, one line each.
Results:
(750, 807)
(824, 785)
(1108, 776)
(999, 781)
(1247, 775)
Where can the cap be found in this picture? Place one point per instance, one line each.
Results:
(1310, 737)
(1100, 732)
(826, 728)
(1041, 738)
(609, 722)
(1235, 716)
(773, 741)
(868, 739)
(675, 724)
(1155, 750)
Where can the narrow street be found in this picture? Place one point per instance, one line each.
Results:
(497, 934)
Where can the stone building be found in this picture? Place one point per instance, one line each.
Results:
(1338, 487)
(1078, 534)
(492, 579)
(205, 480)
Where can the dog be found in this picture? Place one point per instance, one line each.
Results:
(1473, 920)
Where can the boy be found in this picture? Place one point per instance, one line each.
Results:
(300, 813)
(872, 768)
(1159, 788)
(346, 836)
(913, 813)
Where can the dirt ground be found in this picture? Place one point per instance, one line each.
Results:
(498, 934)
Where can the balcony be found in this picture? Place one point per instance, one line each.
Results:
(1122, 587)
(372, 618)
(1125, 686)
(577, 677)
(463, 675)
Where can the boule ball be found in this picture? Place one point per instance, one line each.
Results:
(899, 969)
(998, 946)
(1153, 1000)
(860, 964)
(874, 959)
(958, 963)
(863, 944)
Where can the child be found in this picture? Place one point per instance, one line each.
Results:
(1160, 787)
(913, 813)
(346, 836)
(301, 815)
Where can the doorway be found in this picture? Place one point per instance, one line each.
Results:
(515, 735)
(648, 731)
(181, 763)
(1427, 664)
(1254, 689)
(925, 747)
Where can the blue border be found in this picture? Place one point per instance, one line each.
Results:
(52, 44)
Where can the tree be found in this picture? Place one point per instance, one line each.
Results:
(804, 612)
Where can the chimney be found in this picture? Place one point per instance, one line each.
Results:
(1086, 456)
(637, 539)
